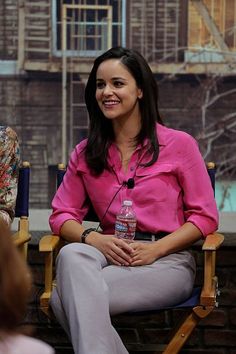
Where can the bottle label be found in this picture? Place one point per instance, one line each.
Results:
(125, 228)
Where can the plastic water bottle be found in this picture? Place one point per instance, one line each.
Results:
(125, 225)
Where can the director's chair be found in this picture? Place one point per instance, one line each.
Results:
(201, 303)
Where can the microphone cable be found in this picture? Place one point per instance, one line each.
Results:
(130, 185)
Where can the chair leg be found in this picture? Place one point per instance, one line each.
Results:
(185, 330)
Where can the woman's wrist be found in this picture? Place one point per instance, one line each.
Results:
(91, 236)
(159, 249)
(85, 234)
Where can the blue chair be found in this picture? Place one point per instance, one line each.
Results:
(201, 303)
(22, 236)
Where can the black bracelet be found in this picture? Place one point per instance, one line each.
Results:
(86, 233)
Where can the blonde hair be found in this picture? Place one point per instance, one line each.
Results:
(15, 282)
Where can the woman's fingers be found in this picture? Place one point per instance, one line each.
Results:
(116, 259)
(120, 252)
(117, 251)
(138, 262)
(123, 245)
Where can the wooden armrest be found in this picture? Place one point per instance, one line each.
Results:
(209, 291)
(49, 243)
(212, 242)
(21, 237)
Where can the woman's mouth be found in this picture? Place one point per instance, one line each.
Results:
(110, 103)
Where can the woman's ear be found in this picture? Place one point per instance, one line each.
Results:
(140, 94)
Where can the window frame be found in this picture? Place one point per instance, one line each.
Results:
(84, 53)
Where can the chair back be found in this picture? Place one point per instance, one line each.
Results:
(61, 170)
(22, 236)
(211, 169)
(22, 200)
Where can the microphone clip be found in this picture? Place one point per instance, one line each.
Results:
(130, 183)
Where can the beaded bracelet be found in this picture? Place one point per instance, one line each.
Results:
(86, 233)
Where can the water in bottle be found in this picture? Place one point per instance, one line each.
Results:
(125, 225)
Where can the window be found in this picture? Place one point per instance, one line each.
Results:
(89, 27)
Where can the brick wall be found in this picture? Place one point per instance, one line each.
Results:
(32, 106)
(214, 335)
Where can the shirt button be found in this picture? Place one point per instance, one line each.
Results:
(131, 168)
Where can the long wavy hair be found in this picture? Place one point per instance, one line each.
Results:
(101, 133)
(15, 283)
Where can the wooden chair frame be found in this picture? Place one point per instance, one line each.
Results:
(51, 244)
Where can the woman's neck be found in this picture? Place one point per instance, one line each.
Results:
(125, 132)
(126, 142)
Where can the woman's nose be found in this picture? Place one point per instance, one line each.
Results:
(107, 90)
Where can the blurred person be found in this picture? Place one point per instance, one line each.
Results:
(15, 289)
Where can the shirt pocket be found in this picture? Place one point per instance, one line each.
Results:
(157, 182)
(98, 188)
(83, 169)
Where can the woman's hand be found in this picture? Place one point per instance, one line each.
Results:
(116, 250)
(143, 253)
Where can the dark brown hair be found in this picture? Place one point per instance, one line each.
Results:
(101, 133)
(15, 282)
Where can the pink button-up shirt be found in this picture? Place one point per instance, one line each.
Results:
(175, 189)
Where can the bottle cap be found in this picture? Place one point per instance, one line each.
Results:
(127, 202)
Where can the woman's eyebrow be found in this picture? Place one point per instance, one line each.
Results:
(113, 78)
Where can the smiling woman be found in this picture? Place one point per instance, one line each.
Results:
(127, 142)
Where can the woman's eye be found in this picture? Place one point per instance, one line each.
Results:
(118, 83)
(100, 85)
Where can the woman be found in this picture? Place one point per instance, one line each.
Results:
(15, 286)
(99, 275)
(9, 164)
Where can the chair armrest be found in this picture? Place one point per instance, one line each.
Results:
(21, 237)
(212, 242)
(210, 287)
(49, 243)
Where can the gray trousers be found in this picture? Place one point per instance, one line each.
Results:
(89, 290)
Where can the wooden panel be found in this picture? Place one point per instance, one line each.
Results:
(194, 21)
(230, 10)
(223, 13)
(206, 38)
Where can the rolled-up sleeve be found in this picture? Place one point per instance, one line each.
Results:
(69, 202)
(199, 203)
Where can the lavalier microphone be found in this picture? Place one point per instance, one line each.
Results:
(130, 183)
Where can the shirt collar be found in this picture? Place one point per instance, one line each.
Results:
(113, 150)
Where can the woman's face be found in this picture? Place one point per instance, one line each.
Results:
(117, 93)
